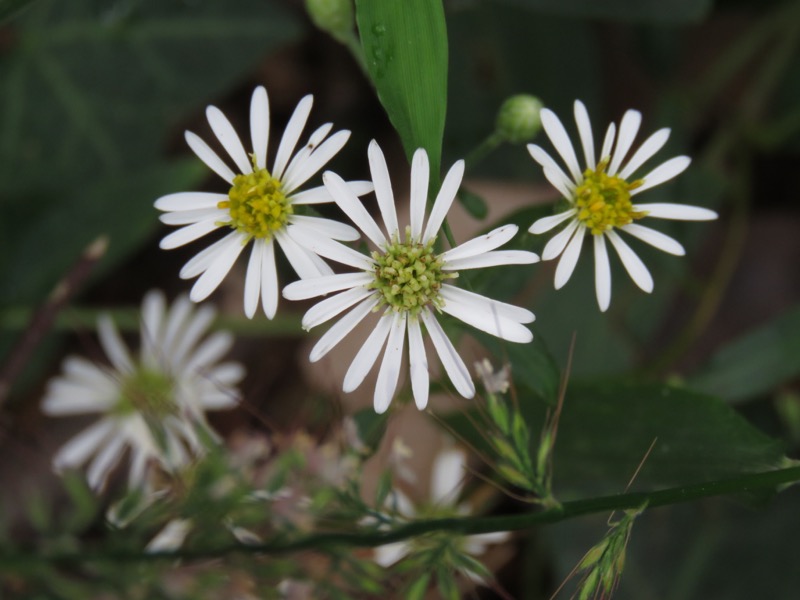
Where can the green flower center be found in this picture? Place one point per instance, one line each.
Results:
(150, 393)
(409, 275)
(604, 201)
(257, 204)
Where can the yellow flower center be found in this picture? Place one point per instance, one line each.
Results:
(257, 204)
(409, 275)
(604, 201)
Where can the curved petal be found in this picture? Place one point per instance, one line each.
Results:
(483, 243)
(352, 207)
(655, 238)
(210, 351)
(383, 187)
(291, 134)
(418, 364)
(453, 364)
(487, 315)
(327, 309)
(319, 286)
(565, 188)
(209, 157)
(227, 136)
(664, 172)
(569, 259)
(112, 343)
(217, 270)
(585, 133)
(368, 354)
(489, 305)
(389, 372)
(558, 136)
(645, 152)
(628, 128)
(333, 229)
(201, 261)
(559, 241)
(306, 169)
(602, 273)
(297, 256)
(105, 461)
(676, 212)
(329, 248)
(75, 452)
(546, 162)
(187, 234)
(341, 328)
(197, 326)
(444, 200)
(633, 264)
(259, 125)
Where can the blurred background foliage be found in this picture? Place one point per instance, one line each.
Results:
(95, 94)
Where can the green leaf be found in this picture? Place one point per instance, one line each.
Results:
(370, 427)
(605, 431)
(657, 11)
(405, 45)
(755, 363)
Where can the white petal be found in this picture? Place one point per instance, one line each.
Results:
(330, 307)
(676, 212)
(318, 159)
(664, 172)
(341, 328)
(183, 201)
(290, 136)
(447, 477)
(138, 467)
(420, 175)
(209, 157)
(113, 345)
(389, 554)
(187, 234)
(368, 354)
(252, 280)
(323, 268)
(602, 273)
(65, 397)
(565, 188)
(645, 152)
(418, 364)
(633, 264)
(444, 200)
(269, 281)
(319, 286)
(546, 161)
(259, 125)
(608, 142)
(184, 217)
(628, 128)
(217, 270)
(172, 536)
(75, 452)
(389, 372)
(558, 135)
(80, 371)
(154, 308)
(227, 136)
(559, 241)
(320, 195)
(105, 461)
(547, 223)
(352, 207)
(585, 133)
(453, 365)
(210, 351)
(493, 259)
(655, 238)
(201, 261)
(297, 256)
(177, 317)
(333, 229)
(296, 165)
(191, 334)
(487, 315)
(484, 243)
(383, 187)
(488, 305)
(329, 248)
(569, 259)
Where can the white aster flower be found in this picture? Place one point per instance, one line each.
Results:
(601, 198)
(260, 206)
(447, 481)
(153, 404)
(406, 279)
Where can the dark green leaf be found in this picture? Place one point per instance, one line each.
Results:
(657, 11)
(405, 44)
(755, 363)
(370, 427)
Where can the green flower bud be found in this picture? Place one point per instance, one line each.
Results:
(333, 16)
(518, 118)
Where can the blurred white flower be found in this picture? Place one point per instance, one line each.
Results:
(405, 278)
(171, 537)
(153, 404)
(601, 198)
(260, 206)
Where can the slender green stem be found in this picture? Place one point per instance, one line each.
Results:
(483, 149)
(458, 525)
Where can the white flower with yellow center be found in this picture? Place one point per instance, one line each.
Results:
(154, 404)
(406, 279)
(601, 198)
(260, 205)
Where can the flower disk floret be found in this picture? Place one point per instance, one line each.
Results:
(601, 198)
(407, 281)
(261, 205)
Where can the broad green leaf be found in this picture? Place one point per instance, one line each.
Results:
(755, 363)
(651, 11)
(405, 45)
(606, 430)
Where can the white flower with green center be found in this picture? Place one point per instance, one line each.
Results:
(153, 404)
(601, 198)
(260, 205)
(408, 282)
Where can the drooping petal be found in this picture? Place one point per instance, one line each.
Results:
(383, 187)
(483, 243)
(227, 136)
(655, 238)
(252, 280)
(217, 270)
(185, 201)
(569, 259)
(602, 273)
(187, 234)
(453, 364)
(444, 200)
(558, 136)
(389, 371)
(676, 212)
(259, 125)
(632, 263)
(352, 207)
(294, 128)
(628, 128)
(664, 172)
(493, 259)
(645, 152)
(420, 174)
(368, 354)
(341, 328)
(418, 364)
(333, 229)
(545, 224)
(585, 133)
(209, 157)
(559, 241)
